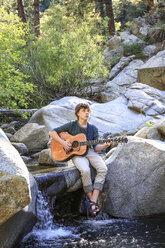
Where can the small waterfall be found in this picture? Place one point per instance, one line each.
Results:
(44, 216)
(93, 233)
(46, 233)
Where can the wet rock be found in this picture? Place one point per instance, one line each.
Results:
(9, 135)
(45, 158)
(26, 159)
(21, 148)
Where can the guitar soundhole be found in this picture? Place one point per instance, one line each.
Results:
(75, 144)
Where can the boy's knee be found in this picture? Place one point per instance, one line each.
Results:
(85, 171)
(103, 170)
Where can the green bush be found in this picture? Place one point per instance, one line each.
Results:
(126, 10)
(134, 49)
(66, 54)
(14, 84)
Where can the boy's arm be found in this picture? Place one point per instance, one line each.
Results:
(101, 147)
(54, 135)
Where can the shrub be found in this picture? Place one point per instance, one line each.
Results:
(66, 55)
(14, 84)
(135, 49)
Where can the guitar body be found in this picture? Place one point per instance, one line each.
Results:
(60, 154)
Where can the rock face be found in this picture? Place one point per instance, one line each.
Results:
(113, 56)
(45, 158)
(108, 117)
(34, 136)
(135, 185)
(14, 180)
(140, 28)
(16, 227)
(156, 131)
(145, 99)
(153, 71)
(56, 113)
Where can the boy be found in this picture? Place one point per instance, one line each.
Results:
(81, 125)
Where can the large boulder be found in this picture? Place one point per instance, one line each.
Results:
(149, 133)
(128, 75)
(56, 113)
(111, 57)
(17, 226)
(114, 42)
(153, 71)
(135, 185)
(34, 136)
(140, 28)
(146, 100)
(46, 159)
(114, 116)
(14, 180)
(149, 50)
(153, 131)
(123, 80)
(124, 61)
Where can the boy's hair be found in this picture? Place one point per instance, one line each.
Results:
(80, 106)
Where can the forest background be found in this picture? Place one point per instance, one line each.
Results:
(49, 47)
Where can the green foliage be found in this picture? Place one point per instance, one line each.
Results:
(136, 49)
(149, 124)
(158, 33)
(126, 10)
(66, 55)
(14, 84)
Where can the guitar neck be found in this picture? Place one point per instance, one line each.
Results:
(102, 141)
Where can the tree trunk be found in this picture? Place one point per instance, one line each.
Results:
(150, 4)
(109, 12)
(21, 12)
(102, 13)
(37, 17)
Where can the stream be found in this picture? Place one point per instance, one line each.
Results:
(115, 233)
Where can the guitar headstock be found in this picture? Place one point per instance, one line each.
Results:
(121, 140)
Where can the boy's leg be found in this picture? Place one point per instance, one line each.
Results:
(82, 164)
(98, 163)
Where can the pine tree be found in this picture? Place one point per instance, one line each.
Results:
(109, 13)
(21, 12)
(37, 17)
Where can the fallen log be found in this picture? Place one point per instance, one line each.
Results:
(16, 112)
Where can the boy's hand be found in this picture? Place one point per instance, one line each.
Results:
(108, 144)
(67, 145)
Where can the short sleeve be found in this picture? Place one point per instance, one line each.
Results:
(95, 134)
(64, 128)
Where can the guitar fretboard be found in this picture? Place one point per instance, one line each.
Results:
(102, 141)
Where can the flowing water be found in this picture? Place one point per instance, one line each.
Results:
(115, 233)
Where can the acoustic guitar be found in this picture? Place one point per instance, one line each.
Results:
(79, 144)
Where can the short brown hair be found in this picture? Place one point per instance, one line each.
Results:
(79, 106)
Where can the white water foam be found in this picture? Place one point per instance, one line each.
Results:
(45, 229)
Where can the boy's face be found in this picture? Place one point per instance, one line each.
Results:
(83, 113)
